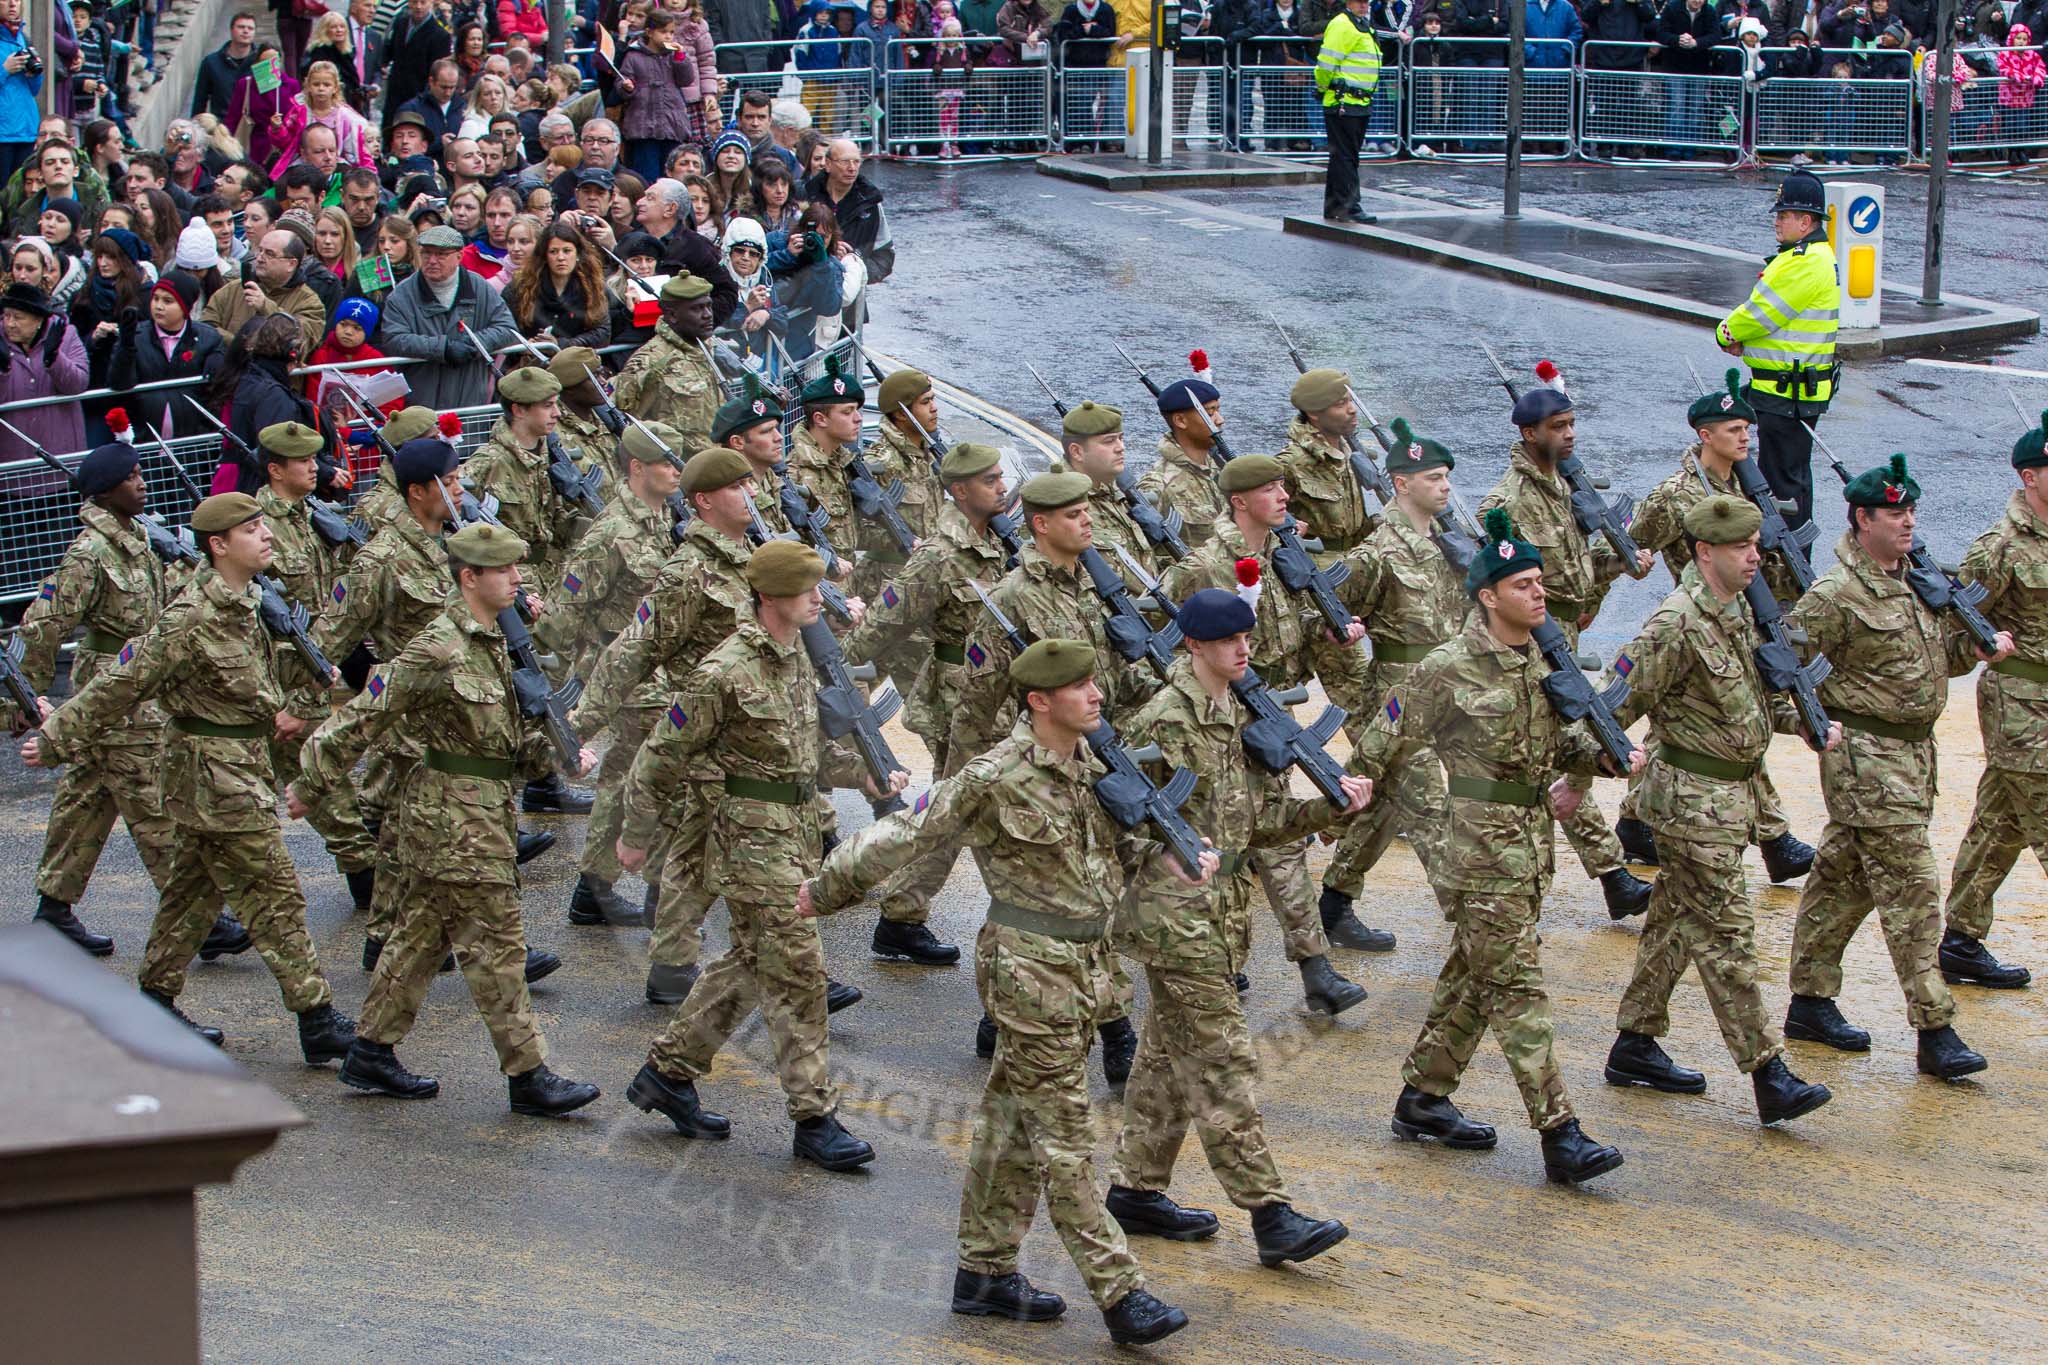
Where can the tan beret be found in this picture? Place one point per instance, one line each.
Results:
(291, 440)
(224, 512)
(967, 459)
(484, 546)
(783, 568)
(528, 384)
(410, 422)
(901, 388)
(1089, 418)
(644, 440)
(713, 468)
(1723, 519)
(1050, 492)
(1247, 472)
(681, 288)
(1318, 389)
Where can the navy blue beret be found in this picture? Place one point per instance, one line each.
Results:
(1183, 394)
(422, 460)
(107, 467)
(1539, 404)
(1213, 614)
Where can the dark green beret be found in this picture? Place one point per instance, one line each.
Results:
(290, 441)
(1722, 405)
(784, 568)
(1723, 519)
(1247, 472)
(682, 287)
(1888, 485)
(1319, 389)
(484, 546)
(833, 387)
(744, 412)
(1052, 663)
(2031, 450)
(1050, 492)
(967, 459)
(574, 365)
(713, 468)
(1502, 556)
(529, 384)
(643, 441)
(1412, 454)
(410, 422)
(1089, 418)
(902, 388)
(224, 512)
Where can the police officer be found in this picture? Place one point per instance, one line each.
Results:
(1347, 71)
(1785, 333)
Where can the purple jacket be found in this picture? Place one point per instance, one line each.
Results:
(658, 108)
(60, 427)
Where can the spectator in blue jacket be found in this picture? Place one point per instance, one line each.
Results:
(1553, 32)
(19, 116)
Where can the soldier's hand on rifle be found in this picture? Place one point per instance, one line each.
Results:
(1359, 792)
(1643, 563)
(1353, 633)
(294, 804)
(586, 760)
(1834, 740)
(289, 727)
(32, 752)
(22, 724)
(2005, 648)
(1207, 864)
(856, 610)
(537, 604)
(630, 858)
(898, 780)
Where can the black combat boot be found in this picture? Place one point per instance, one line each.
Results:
(362, 884)
(914, 943)
(1149, 1213)
(325, 1035)
(1242, 982)
(1284, 1235)
(1780, 1095)
(1344, 929)
(1966, 962)
(838, 995)
(985, 1038)
(58, 916)
(1119, 1048)
(1326, 991)
(1419, 1115)
(1946, 1056)
(1786, 857)
(533, 843)
(376, 1068)
(1138, 1319)
(1004, 1296)
(1638, 841)
(226, 938)
(540, 963)
(1626, 893)
(550, 795)
(1572, 1158)
(1636, 1059)
(822, 1140)
(1815, 1019)
(650, 902)
(543, 1093)
(653, 1093)
(594, 902)
(668, 985)
(206, 1031)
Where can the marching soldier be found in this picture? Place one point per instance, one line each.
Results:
(220, 680)
(1183, 479)
(1576, 573)
(1721, 424)
(1092, 440)
(1321, 489)
(829, 436)
(751, 424)
(1042, 964)
(578, 423)
(906, 399)
(671, 379)
(1893, 656)
(1478, 700)
(1196, 1060)
(383, 502)
(1692, 670)
(750, 713)
(2010, 561)
(1290, 645)
(451, 689)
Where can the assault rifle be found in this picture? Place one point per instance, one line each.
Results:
(1163, 532)
(843, 711)
(1573, 697)
(330, 523)
(1298, 573)
(1127, 627)
(1596, 514)
(1776, 536)
(572, 484)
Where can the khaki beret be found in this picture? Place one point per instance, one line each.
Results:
(1053, 663)
(1723, 519)
(713, 468)
(1050, 492)
(224, 512)
(681, 288)
(1089, 418)
(291, 440)
(643, 442)
(902, 387)
(1318, 389)
(967, 459)
(410, 422)
(484, 546)
(1247, 472)
(528, 384)
(574, 364)
(782, 568)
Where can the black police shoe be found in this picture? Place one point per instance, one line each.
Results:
(915, 943)
(838, 995)
(376, 1068)
(552, 796)
(362, 885)
(594, 902)
(1636, 1059)
(58, 916)
(1626, 893)
(1344, 929)
(1284, 1235)
(1242, 982)
(1638, 841)
(226, 938)
(1944, 1055)
(1325, 990)
(1119, 1049)
(1419, 1115)
(1138, 1319)
(1815, 1019)
(1004, 1296)
(1786, 857)
(1149, 1213)
(1571, 1158)
(1780, 1095)
(1964, 961)
(325, 1035)
(540, 963)
(668, 985)
(533, 843)
(206, 1031)
(653, 1093)
(985, 1038)
(540, 1091)
(822, 1140)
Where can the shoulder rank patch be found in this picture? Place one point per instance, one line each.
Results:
(127, 652)
(677, 716)
(1623, 665)
(1393, 708)
(49, 590)
(922, 801)
(375, 687)
(340, 590)
(976, 655)
(889, 597)
(572, 583)
(646, 612)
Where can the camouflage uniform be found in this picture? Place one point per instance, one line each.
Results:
(2011, 561)
(1892, 658)
(1111, 518)
(1576, 573)
(450, 691)
(591, 444)
(896, 458)
(1692, 670)
(669, 380)
(1042, 966)
(1196, 1059)
(750, 712)
(1480, 704)
(216, 672)
(1322, 492)
(381, 504)
(113, 584)
(1177, 483)
(528, 505)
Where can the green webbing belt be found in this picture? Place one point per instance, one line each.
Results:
(1705, 765)
(471, 765)
(1887, 729)
(2022, 668)
(755, 789)
(1399, 652)
(1230, 861)
(1017, 917)
(949, 654)
(103, 641)
(1505, 793)
(192, 725)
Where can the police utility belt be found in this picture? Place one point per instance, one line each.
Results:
(1803, 380)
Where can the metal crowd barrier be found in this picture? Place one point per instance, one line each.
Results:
(1201, 70)
(1638, 110)
(1004, 108)
(1835, 116)
(841, 98)
(1987, 123)
(1279, 108)
(1469, 117)
(1094, 101)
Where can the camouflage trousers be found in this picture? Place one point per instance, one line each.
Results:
(337, 820)
(1409, 800)
(116, 780)
(684, 899)
(1346, 673)
(481, 924)
(630, 728)
(776, 962)
(1032, 1132)
(2011, 815)
(391, 765)
(1591, 837)
(1700, 914)
(250, 870)
(1196, 1062)
(1493, 978)
(906, 897)
(1283, 873)
(1889, 869)
(1770, 810)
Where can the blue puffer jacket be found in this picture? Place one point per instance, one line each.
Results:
(1557, 19)
(18, 113)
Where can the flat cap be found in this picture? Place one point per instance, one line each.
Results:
(1090, 418)
(1539, 405)
(1723, 519)
(1888, 485)
(1502, 556)
(2031, 450)
(1050, 492)
(224, 512)
(744, 412)
(833, 386)
(423, 459)
(967, 459)
(1247, 472)
(713, 468)
(902, 387)
(1725, 404)
(1053, 663)
(783, 568)
(405, 116)
(1183, 394)
(106, 468)
(1318, 389)
(440, 237)
(1412, 454)
(643, 441)
(484, 546)
(528, 384)
(574, 365)
(290, 441)
(682, 286)
(1213, 614)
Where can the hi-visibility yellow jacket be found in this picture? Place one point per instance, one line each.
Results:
(1787, 329)
(1348, 66)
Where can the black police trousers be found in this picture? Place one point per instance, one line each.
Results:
(1346, 128)
(1785, 453)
